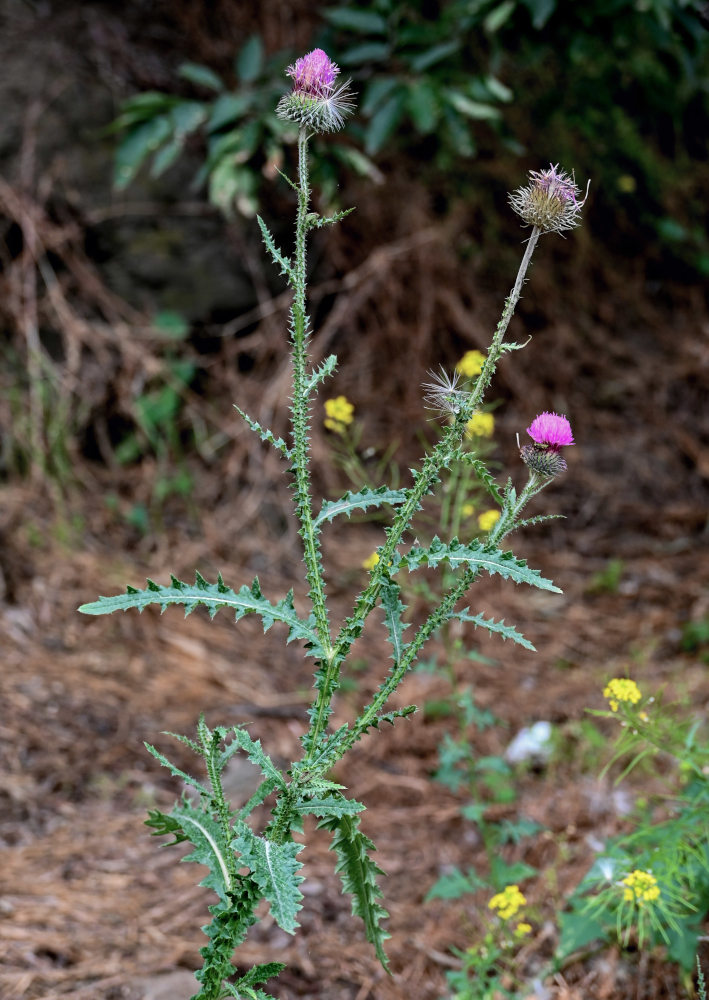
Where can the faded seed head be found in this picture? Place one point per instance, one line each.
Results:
(551, 201)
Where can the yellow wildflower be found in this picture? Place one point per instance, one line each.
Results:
(507, 902)
(339, 414)
(522, 929)
(468, 509)
(488, 519)
(640, 887)
(371, 561)
(480, 425)
(621, 689)
(470, 364)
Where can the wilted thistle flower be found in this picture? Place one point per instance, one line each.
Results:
(551, 201)
(442, 393)
(315, 101)
(550, 432)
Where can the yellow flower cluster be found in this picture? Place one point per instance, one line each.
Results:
(371, 561)
(507, 902)
(640, 887)
(339, 414)
(480, 425)
(621, 689)
(488, 519)
(470, 364)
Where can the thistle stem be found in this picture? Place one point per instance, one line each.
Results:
(299, 406)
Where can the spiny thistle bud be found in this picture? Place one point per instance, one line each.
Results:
(551, 201)
(315, 102)
(550, 432)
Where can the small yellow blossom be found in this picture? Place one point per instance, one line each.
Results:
(339, 414)
(468, 509)
(621, 689)
(507, 902)
(488, 519)
(470, 364)
(640, 887)
(522, 929)
(480, 425)
(371, 561)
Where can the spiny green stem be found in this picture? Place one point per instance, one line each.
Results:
(299, 406)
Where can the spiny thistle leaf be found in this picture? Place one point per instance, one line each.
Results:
(259, 796)
(506, 631)
(539, 519)
(393, 610)
(176, 772)
(359, 877)
(265, 434)
(477, 556)
(328, 220)
(331, 805)
(318, 375)
(278, 258)
(484, 477)
(209, 847)
(359, 501)
(253, 750)
(213, 596)
(165, 826)
(260, 974)
(273, 868)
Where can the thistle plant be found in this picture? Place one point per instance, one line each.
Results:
(248, 860)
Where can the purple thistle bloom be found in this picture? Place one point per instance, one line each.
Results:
(313, 75)
(551, 430)
(315, 102)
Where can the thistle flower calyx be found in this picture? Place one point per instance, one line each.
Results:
(551, 201)
(315, 102)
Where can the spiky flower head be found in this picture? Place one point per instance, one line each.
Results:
(551, 200)
(550, 432)
(315, 101)
(442, 393)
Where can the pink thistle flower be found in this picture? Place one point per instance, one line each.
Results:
(315, 102)
(314, 74)
(552, 430)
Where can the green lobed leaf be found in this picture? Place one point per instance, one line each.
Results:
(319, 374)
(506, 631)
(253, 750)
(213, 596)
(359, 878)
(274, 869)
(209, 848)
(393, 610)
(260, 973)
(266, 435)
(176, 772)
(484, 477)
(278, 258)
(358, 501)
(332, 805)
(478, 556)
(228, 928)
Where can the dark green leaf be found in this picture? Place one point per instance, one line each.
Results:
(367, 53)
(364, 21)
(433, 55)
(137, 146)
(250, 60)
(202, 76)
(228, 108)
(384, 122)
